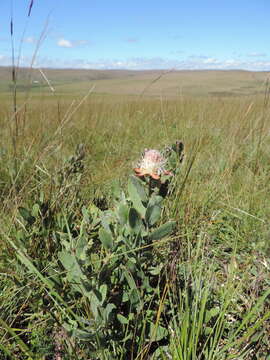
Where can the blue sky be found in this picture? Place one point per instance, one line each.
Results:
(149, 34)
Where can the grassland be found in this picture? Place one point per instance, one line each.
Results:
(149, 83)
(211, 295)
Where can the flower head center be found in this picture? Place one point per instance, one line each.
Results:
(152, 162)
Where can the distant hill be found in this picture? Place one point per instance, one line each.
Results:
(145, 82)
(69, 74)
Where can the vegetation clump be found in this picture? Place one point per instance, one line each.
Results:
(113, 281)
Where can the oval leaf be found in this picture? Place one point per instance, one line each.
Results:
(26, 215)
(153, 210)
(136, 196)
(138, 185)
(123, 214)
(105, 238)
(157, 332)
(162, 231)
(122, 319)
(134, 219)
(103, 291)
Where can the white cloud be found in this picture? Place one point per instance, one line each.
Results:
(256, 54)
(30, 40)
(140, 63)
(64, 43)
(71, 44)
(163, 63)
(210, 61)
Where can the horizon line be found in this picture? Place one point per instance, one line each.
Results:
(128, 69)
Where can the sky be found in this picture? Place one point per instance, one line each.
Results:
(141, 34)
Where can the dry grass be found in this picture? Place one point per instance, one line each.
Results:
(125, 82)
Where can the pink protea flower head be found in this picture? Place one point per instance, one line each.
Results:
(152, 164)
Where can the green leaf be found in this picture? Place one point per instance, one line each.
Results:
(86, 216)
(130, 280)
(134, 297)
(135, 221)
(122, 319)
(153, 210)
(123, 214)
(130, 266)
(105, 238)
(211, 313)
(95, 262)
(83, 334)
(136, 195)
(26, 215)
(70, 263)
(74, 273)
(157, 332)
(162, 231)
(108, 311)
(81, 248)
(156, 270)
(103, 291)
(138, 185)
(35, 210)
(125, 297)
(95, 302)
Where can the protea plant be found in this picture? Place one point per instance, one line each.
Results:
(152, 164)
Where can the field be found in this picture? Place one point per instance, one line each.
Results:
(154, 83)
(96, 263)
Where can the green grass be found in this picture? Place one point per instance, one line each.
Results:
(215, 300)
